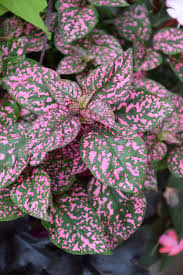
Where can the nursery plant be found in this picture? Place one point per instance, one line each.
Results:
(91, 115)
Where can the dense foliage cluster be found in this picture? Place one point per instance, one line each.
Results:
(83, 137)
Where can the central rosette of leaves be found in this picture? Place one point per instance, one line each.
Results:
(61, 142)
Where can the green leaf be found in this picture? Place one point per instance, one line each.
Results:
(32, 193)
(28, 10)
(3, 10)
(73, 224)
(8, 210)
(116, 158)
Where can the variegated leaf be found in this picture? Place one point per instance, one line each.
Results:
(175, 161)
(28, 87)
(8, 112)
(144, 112)
(32, 193)
(13, 158)
(120, 213)
(111, 82)
(12, 27)
(152, 59)
(116, 158)
(99, 111)
(169, 41)
(16, 63)
(52, 130)
(151, 182)
(110, 3)
(176, 63)
(14, 47)
(152, 87)
(60, 172)
(64, 91)
(74, 225)
(71, 65)
(75, 19)
(8, 210)
(134, 23)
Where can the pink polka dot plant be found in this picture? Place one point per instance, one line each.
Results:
(84, 136)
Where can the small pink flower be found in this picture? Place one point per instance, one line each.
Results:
(170, 244)
(175, 9)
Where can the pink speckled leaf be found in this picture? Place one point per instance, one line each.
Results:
(134, 23)
(99, 111)
(169, 41)
(26, 116)
(35, 44)
(64, 91)
(111, 82)
(116, 158)
(175, 161)
(71, 65)
(144, 112)
(37, 158)
(152, 59)
(74, 225)
(152, 87)
(32, 193)
(28, 88)
(13, 158)
(110, 3)
(8, 210)
(12, 27)
(52, 130)
(75, 19)
(60, 172)
(176, 63)
(8, 112)
(120, 213)
(14, 64)
(151, 182)
(14, 47)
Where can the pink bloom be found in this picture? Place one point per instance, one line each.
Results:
(170, 244)
(175, 9)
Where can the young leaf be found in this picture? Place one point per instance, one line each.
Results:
(120, 213)
(73, 224)
(169, 41)
(8, 210)
(75, 20)
(175, 161)
(113, 3)
(111, 82)
(176, 63)
(71, 65)
(115, 158)
(13, 158)
(99, 111)
(144, 112)
(134, 23)
(52, 130)
(32, 194)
